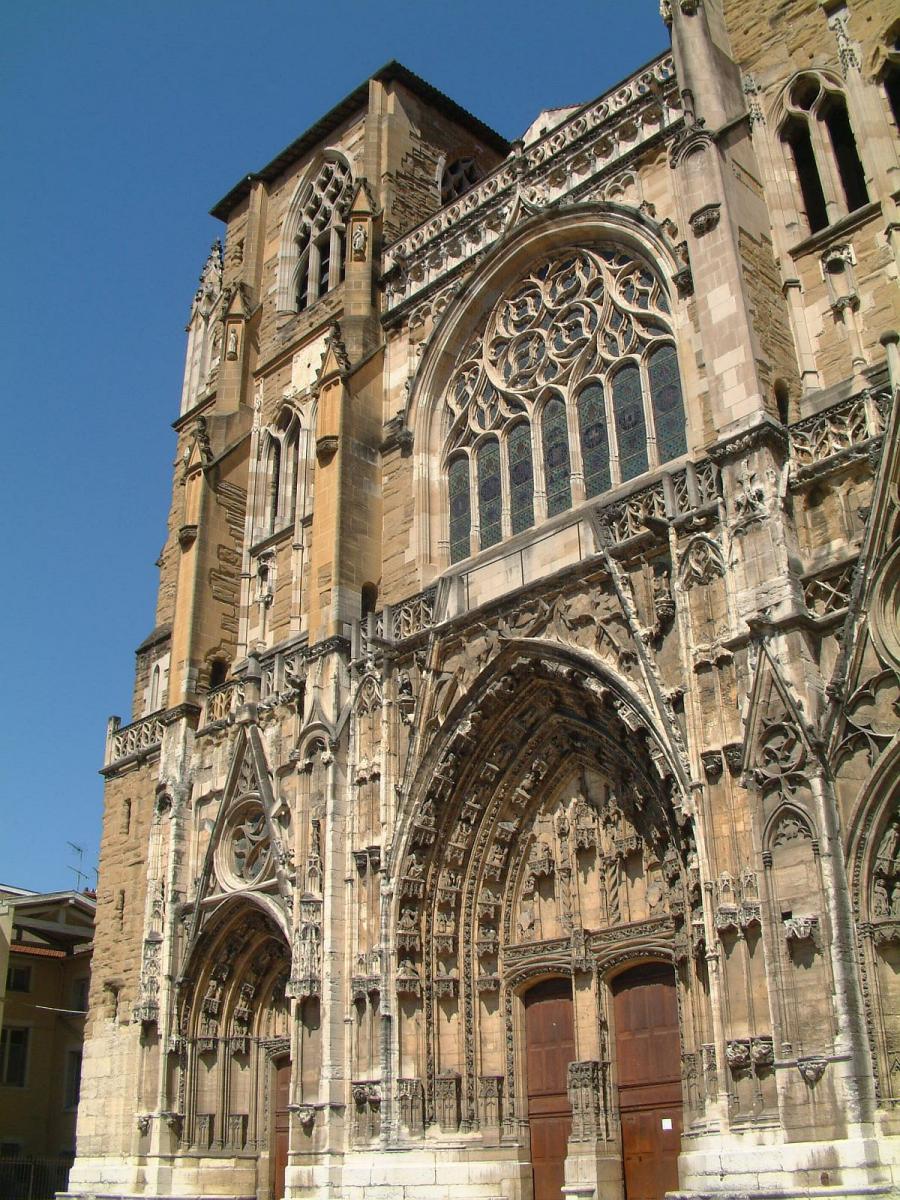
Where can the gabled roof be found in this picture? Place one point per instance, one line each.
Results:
(53, 919)
(392, 72)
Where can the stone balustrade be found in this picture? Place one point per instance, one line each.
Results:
(562, 163)
(131, 741)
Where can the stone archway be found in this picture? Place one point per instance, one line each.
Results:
(549, 835)
(235, 1030)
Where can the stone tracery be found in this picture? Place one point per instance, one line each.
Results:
(584, 341)
(544, 826)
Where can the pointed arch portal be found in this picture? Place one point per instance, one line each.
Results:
(547, 849)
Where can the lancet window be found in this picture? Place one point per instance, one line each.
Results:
(825, 159)
(570, 387)
(280, 474)
(313, 254)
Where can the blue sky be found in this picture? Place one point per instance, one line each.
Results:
(123, 123)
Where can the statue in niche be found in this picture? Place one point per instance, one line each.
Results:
(359, 242)
(231, 345)
(213, 998)
(215, 351)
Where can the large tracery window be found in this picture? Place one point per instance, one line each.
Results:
(315, 256)
(570, 387)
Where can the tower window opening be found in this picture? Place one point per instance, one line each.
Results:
(822, 148)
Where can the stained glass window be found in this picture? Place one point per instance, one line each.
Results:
(490, 503)
(460, 509)
(631, 427)
(584, 333)
(521, 478)
(594, 440)
(668, 409)
(556, 457)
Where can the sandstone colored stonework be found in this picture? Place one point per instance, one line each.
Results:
(527, 635)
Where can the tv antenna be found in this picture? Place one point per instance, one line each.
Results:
(80, 876)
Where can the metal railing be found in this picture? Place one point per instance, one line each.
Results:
(33, 1178)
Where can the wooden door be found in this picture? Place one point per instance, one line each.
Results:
(648, 1060)
(281, 1094)
(550, 1046)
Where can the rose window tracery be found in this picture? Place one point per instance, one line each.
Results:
(244, 855)
(570, 387)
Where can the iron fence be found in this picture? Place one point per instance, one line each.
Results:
(33, 1178)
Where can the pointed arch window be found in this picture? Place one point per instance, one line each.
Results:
(631, 424)
(280, 474)
(460, 509)
(521, 478)
(583, 344)
(313, 258)
(667, 402)
(823, 152)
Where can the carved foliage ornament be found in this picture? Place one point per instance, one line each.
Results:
(701, 562)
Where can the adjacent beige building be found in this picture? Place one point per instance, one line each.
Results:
(508, 807)
(45, 969)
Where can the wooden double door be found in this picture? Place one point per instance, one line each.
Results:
(648, 1061)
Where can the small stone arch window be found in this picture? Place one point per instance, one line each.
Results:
(818, 136)
(313, 257)
(458, 177)
(280, 470)
(569, 388)
(218, 672)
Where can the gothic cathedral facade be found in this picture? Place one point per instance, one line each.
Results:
(509, 808)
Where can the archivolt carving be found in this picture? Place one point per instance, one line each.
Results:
(701, 562)
(542, 839)
(231, 1005)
